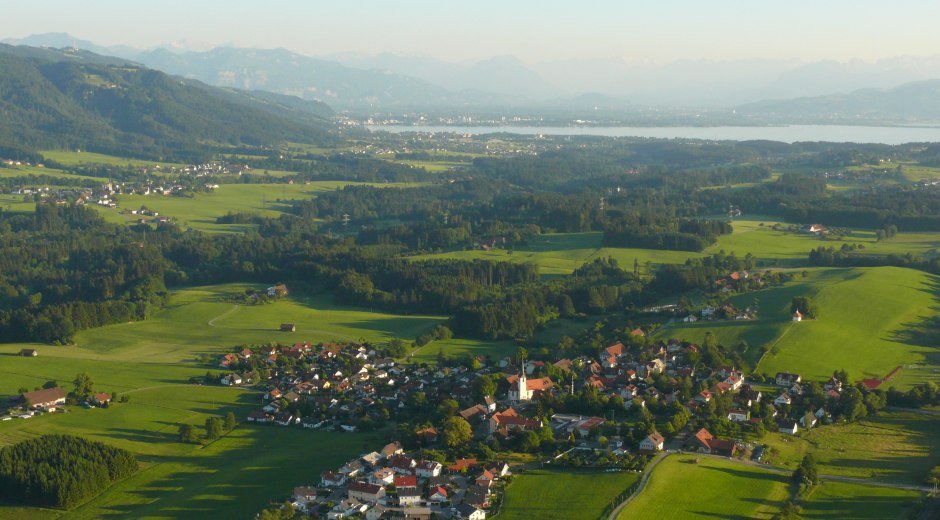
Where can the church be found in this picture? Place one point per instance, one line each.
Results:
(523, 389)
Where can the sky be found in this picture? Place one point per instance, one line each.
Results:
(535, 31)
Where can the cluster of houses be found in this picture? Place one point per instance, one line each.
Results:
(391, 484)
(726, 312)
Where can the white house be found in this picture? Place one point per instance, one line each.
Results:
(652, 442)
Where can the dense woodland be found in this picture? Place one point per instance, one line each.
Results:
(60, 470)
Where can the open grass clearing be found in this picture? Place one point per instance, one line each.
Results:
(562, 494)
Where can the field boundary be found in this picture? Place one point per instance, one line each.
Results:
(640, 486)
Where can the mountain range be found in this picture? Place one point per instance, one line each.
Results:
(389, 82)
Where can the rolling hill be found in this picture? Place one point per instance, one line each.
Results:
(76, 99)
(912, 102)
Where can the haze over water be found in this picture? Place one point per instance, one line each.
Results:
(890, 135)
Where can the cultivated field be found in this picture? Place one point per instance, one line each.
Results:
(556, 494)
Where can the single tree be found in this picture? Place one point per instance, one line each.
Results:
(457, 432)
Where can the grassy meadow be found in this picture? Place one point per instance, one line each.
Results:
(562, 253)
(562, 494)
(870, 321)
(712, 488)
(790, 249)
(73, 158)
(680, 487)
(891, 446)
(201, 210)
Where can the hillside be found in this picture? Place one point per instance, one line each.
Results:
(912, 102)
(871, 321)
(76, 99)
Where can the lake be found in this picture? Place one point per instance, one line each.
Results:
(786, 134)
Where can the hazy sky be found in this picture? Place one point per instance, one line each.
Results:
(659, 30)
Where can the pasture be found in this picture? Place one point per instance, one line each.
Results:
(234, 476)
(785, 248)
(562, 253)
(712, 488)
(841, 501)
(562, 494)
(201, 210)
(73, 158)
(892, 446)
(871, 320)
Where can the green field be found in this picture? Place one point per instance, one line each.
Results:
(235, 476)
(21, 171)
(787, 248)
(201, 210)
(548, 494)
(871, 320)
(891, 447)
(562, 253)
(841, 501)
(15, 203)
(151, 362)
(713, 488)
(70, 158)
(716, 488)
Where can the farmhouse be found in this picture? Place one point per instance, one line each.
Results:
(44, 399)
(102, 398)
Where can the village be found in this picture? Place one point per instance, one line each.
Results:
(653, 396)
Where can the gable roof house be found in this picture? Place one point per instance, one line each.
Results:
(653, 442)
(365, 492)
(704, 442)
(787, 379)
(46, 398)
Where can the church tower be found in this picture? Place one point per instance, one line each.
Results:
(523, 388)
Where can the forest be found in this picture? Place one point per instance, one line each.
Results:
(60, 471)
